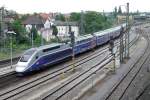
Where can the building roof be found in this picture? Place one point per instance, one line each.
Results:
(44, 16)
(60, 23)
(33, 20)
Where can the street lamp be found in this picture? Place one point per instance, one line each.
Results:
(11, 33)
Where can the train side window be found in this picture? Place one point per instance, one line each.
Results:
(49, 49)
(36, 57)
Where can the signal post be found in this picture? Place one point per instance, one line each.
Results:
(72, 45)
(113, 51)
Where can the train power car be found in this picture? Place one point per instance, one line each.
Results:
(36, 58)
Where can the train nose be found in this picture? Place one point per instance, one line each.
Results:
(21, 67)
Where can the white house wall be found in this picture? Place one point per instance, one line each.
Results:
(63, 30)
(47, 24)
(47, 30)
(46, 34)
(75, 29)
(28, 28)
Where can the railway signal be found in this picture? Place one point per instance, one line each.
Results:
(127, 35)
(112, 50)
(111, 44)
(72, 39)
(72, 45)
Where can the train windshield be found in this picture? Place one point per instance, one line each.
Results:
(27, 55)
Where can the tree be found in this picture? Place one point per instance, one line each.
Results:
(21, 36)
(0, 36)
(60, 17)
(75, 16)
(0, 29)
(34, 32)
(93, 21)
(35, 14)
(137, 12)
(119, 10)
(78, 17)
(115, 12)
(55, 32)
(24, 17)
(82, 23)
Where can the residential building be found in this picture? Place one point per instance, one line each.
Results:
(122, 18)
(43, 23)
(35, 21)
(63, 28)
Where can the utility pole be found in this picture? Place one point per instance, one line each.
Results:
(32, 39)
(72, 45)
(125, 42)
(112, 50)
(82, 31)
(121, 44)
(42, 42)
(2, 27)
(128, 54)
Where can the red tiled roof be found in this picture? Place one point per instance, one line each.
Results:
(44, 16)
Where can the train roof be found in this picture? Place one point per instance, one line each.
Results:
(31, 49)
(49, 46)
(83, 37)
(100, 33)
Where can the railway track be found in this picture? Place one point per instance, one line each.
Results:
(84, 58)
(74, 81)
(35, 82)
(118, 91)
(32, 83)
(4, 78)
(61, 91)
(4, 63)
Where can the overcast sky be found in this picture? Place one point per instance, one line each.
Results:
(66, 6)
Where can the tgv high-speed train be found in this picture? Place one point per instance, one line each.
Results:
(40, 57)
